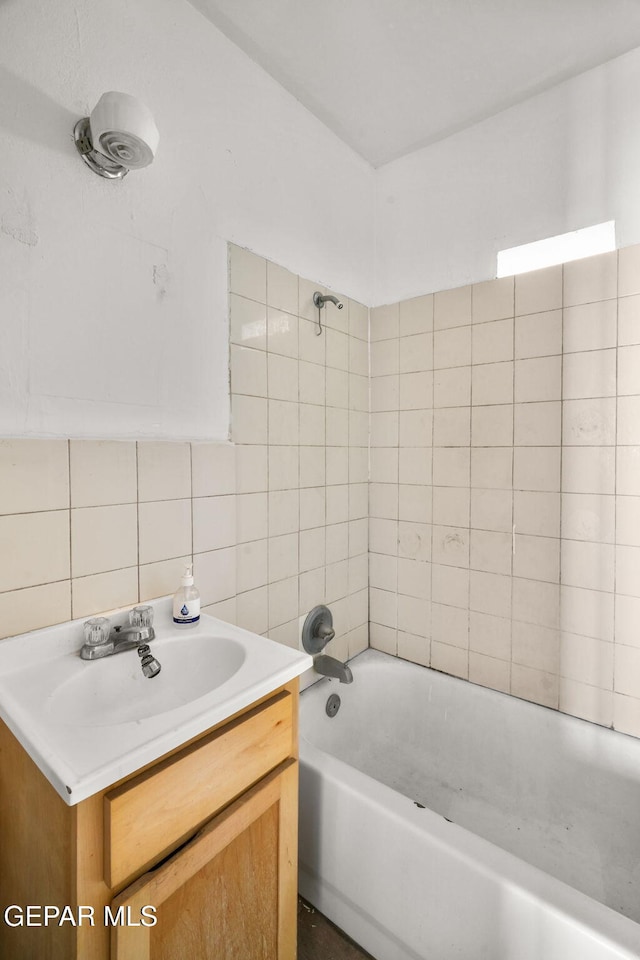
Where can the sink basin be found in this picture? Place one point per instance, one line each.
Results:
(89, 724)
(113, 690)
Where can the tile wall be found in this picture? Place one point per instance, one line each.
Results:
(275, 522)
(505, 485)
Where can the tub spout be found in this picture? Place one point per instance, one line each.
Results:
(330, 667)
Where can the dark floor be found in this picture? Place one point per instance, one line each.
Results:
(319, 939)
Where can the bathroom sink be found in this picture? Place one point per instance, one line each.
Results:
(113, 690)
(89, 723)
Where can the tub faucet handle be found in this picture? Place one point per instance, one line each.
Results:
(317, 630)
(326, 632)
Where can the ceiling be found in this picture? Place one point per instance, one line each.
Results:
(391, 76)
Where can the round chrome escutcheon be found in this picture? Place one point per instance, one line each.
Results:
(333, 705)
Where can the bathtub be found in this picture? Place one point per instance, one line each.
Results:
(442, 820)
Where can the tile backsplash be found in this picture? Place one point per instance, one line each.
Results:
(275, 522)
(505, 485)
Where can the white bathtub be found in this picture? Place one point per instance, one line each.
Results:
(528, 845)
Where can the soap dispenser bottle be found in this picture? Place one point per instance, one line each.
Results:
(186, 601)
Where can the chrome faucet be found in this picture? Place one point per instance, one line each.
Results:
(316, 634)
(101, 640)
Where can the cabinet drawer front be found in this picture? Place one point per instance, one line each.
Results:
(152, 814)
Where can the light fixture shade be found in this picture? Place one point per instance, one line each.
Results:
(123, 129)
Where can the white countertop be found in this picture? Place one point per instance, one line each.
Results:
(74, 740)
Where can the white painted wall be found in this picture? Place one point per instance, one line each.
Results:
(113, 304)
(565, 159)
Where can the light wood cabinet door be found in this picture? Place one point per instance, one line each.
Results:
(230, 893)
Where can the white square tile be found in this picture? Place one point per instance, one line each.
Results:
(358, 356)
(282, 332)
(539, 291)
(358, 465)
(415, 465)
(586, 701)
(628, 421)
(492, 383)
(385, 393)
(451, 546)
(492, 342)
(490, 593)
(451, 466)
(253, 610)
(629, 270)
(24, 562)
(359, 428)
(251, 469)
(589, 517)
(383, 501)
(452, 348)
(383, 571)
(628, 320)
(105, 591)
(535, 601)
(628, 521)
(337, 504)
(312, 507)
(248, 419)
(536, 513)
(450, 585)
(383, 536)
(628, 470)
(106, 538)
(416, 391)
(283, 601)
(336, 427)
(452, 388)
(285, 467)
(450, 626)
(214, 523)
(311, 347)
(252, 568)
(537, 424)
(627, 670)
(251, 517)
(247, 322)
(451, 506)
(383, 638)
(538, 335)
(337, 463)
(337, 581)
(536, 558)
(282, 288)
(103, 472)
(248, 371)
(416, 353)
(452, 427)
(284, 422)
(449, 659)
(385, 322)
(414, 578)
(384, 465)
(588, 470)
(490, 551)
(414, 648)
(384, 429)
(628, 570)
(34, 607)
(358, 537)
(493, 299)
(629, 370)
(538, 379)
(284, 510)
(591, 326)
(586, 660)
(536, 468)
(282, 376)
(385, 357)
(491, 510)
(164, 470)
(534, 685)
(247, 274)
(492, 468)
(415, 428)
(591, 374)
(626, 714)
(312, 549)
(535, 646)
(358, 393)
(414, 615)
(452, 308)
(213, 469)
(489, 672)
(588, 613)
(589, 422)
(159, 579)
(627, 611)
(164, 532)
(588, 565)
(492, 426)
(283, 557)
(337, 388)
(34, 475)
(312, 426)
(337, 349)
(414, 540)
(490, 635)
(383, 607)
(590, 279)
(416, 315)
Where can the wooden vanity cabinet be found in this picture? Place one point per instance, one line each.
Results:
(206, 836)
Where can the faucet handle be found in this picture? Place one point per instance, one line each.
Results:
(141, 616)
(97, 630)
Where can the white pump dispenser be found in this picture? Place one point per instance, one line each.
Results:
(186, 601)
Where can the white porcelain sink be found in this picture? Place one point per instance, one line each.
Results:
(113, 690)
(89, 723)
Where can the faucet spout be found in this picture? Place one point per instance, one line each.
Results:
(330, 667)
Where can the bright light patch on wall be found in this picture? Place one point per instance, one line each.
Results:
(568, 246)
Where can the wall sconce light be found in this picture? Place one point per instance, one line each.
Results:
(120, 135)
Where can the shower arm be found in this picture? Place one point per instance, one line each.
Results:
(319, 300)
